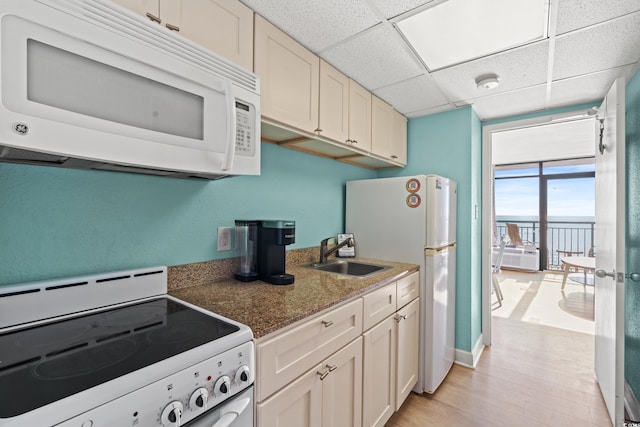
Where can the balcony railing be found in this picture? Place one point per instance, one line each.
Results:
(568, 236)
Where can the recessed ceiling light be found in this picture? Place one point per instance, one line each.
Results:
(456, 31)
(489, 81)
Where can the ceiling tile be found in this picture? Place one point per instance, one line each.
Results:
(585, 88)
(375, 58)
(609, 45)
(418, 93)
(575, 14)
(394, 8)
(317, 24)
(516, 68)
(510, 103)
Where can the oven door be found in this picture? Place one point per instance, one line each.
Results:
(235, 412)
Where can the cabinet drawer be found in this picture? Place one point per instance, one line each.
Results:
(408, 289)
(286, 356)
(378, 305)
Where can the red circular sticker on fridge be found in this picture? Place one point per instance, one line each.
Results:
(413, 200)
(413, 185)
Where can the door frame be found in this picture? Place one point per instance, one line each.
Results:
(487, 197)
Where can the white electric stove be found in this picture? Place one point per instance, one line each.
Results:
(115, 350)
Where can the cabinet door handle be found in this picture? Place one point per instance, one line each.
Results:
(332, 368)
(173, 27)
(318, 131)
(353, 141)
(394, 157)
(153, 17)
(323, 375)
(348, 141)
(327, 323)
(398, 317)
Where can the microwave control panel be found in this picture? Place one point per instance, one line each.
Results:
(245, 132)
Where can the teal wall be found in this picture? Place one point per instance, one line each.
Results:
(449, 144)
(632, 297)
(63, 222)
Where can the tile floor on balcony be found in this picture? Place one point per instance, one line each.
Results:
(538, 371)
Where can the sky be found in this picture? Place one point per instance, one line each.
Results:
(566, 197)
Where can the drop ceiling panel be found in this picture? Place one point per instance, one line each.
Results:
(375, 58)
(510, 103)
(457, 31)
(575, 14)
(585, 88)
(609, 45)
(317, 24)
(418, 93)
(517, 68)
(592, 36)
(394, 8)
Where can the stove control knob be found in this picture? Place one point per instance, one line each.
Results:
(221, 387)
(242, 375)
(199, 399)
(172, 413)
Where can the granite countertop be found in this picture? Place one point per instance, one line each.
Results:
(266, 308)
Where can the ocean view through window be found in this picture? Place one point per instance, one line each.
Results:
(553, 204)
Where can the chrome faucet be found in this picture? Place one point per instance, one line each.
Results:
(324, 253)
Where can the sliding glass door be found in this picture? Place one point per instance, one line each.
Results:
(553, 205)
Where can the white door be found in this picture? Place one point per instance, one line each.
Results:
(610, 251)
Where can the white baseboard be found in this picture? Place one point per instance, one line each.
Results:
(631, 404)
(470, 359)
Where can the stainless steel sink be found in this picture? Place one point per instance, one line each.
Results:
(349, 268)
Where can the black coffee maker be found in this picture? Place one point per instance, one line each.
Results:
(272, 237)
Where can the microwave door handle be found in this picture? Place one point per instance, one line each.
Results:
(231, 127)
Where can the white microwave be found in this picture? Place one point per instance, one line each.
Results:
(88, 84)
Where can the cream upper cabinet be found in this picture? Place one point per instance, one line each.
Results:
(143, 7)
(333, 118)
(359, 116)
(289, 78)
(398, 144)
(381, 118)
(388, 131)
(222, 26)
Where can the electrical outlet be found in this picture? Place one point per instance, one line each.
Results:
(224, 238)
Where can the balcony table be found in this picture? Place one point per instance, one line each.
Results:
(584, 262)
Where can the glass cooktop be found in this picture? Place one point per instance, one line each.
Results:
(45, 363)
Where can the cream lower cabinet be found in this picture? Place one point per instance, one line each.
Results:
(391, 351)
(326, 372)
(222, 26)
(379, 401)
(328, 395)
(408, 339)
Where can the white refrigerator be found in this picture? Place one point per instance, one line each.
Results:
(413, 219)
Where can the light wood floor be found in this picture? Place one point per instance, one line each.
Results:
(532, 375)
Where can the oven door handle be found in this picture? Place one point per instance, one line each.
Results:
(229, 413)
